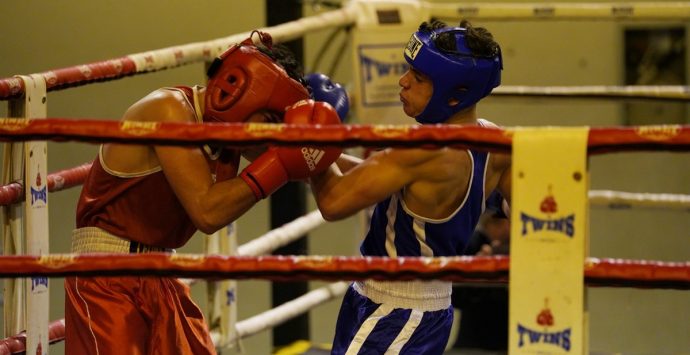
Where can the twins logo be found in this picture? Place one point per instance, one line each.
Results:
(528, 336)
(549, 207)
(37, 282)
(230, 296)
(40, 192)
(378, 68)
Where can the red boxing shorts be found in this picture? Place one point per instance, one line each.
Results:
(133, 315)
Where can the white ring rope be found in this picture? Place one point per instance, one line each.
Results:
(650, 10)
(278, 237)
(670, 92)
(204, 51)
(284, 312)
(619, 199)
(294, 230)
(282, 235)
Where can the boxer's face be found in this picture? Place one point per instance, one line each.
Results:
(265, 116)
(416, 92)
(261, 116)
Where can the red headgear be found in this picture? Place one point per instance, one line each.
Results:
(243, 80)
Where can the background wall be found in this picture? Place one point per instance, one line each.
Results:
(38, 35)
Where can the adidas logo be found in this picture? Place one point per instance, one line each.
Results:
(312, 156)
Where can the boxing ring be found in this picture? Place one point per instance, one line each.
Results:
(248, 260)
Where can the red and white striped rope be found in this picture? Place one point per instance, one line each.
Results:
(17, 344)
(170, 57)
(57, 181)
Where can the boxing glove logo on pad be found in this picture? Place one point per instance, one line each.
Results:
(312, 156)
(278, 165)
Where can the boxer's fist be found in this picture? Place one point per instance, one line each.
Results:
(279, 165)
(317, 159)
(323, 89)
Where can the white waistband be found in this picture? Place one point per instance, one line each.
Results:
(425, 296)
(96, 240)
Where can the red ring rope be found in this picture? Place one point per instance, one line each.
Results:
(598, 272)
(601, 140)
(17, 344)
(57, 181)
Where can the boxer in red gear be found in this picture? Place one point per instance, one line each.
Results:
(140, 198)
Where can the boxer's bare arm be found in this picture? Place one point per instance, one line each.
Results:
(210, 205)
(382, 174)
(346, 162)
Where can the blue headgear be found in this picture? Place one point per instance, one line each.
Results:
(458, 74)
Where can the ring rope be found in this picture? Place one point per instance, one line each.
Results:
(185, 54)
(620, 200)
(650, 10)
(57, 181)
(278, 237)
(170, 57)
(281, 236)
(17, 344)
(286, 311)
(474, 269)
(601, 140)
(649, 92)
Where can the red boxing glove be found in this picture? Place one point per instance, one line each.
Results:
(278, 165)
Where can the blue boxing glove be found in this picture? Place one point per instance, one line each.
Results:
(323, 89)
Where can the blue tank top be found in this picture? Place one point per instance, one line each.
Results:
(396, 231)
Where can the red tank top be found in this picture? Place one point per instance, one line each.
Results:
(142, 208)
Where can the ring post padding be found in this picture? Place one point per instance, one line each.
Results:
(222, 294)
(548, 241)
(36, 217)
(227, 293)
(13, 228)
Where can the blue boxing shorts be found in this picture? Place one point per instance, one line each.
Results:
(366, 327)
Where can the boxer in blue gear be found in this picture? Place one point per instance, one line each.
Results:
(323, 89)
(427, 201)
(460, 77)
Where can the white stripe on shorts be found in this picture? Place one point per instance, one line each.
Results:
(366, 328)
(406, 333)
